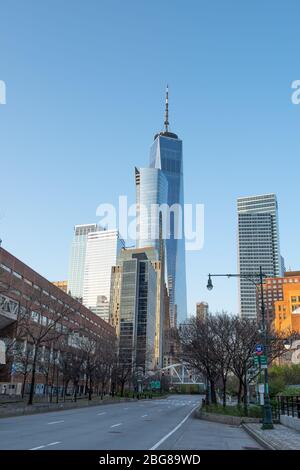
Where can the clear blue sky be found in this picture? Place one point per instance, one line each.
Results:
(85, 88)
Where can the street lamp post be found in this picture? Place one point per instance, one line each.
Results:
(267, 410)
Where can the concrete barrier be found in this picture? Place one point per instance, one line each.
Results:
(225, 419)
(290, 422)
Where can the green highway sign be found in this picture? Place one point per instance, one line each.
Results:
(155, 384)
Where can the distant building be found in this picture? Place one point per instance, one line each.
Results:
(258, 245)
(133, 306)
(171, 347)
(77, 258)
(102, 307)
(287, 310)
(63, 285)
(202, 309)
(102, 250)
(273, 292)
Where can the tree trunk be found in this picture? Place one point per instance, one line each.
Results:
(213, 392)
(86, 385)
(32, 384)
(65, 389)
(90, 388)
(52, 382)
(46, 385)
(224, 391)
(245, 398)
(75, 391)
(23, 385)
(240, 391)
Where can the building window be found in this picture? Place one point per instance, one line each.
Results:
(6, 268)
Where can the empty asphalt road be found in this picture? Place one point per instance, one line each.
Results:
(141, 425)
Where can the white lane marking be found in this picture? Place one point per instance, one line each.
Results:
(144, 416)
(56, 422)
(46, 445)
(126, 408)
(103, 413)
(174, 430)
(115, 425)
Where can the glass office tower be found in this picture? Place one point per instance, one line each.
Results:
(166, 155)
(133, 306)
(258, 245)
(103, 248)
(77, 258)
(151, 192)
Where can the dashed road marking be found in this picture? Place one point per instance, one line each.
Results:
(115, 425)
(57, 422)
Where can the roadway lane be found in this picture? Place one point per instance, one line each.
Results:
(141, 425)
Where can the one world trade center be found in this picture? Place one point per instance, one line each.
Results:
(166, 156)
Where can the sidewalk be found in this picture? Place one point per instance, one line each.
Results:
(197, 434)
(279, 438)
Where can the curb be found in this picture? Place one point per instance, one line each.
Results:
(265, 444)
(224, 419)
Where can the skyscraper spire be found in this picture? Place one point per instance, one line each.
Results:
(165, 132)
(167, 110)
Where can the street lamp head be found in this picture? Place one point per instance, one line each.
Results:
(287, 344)
(209, 283)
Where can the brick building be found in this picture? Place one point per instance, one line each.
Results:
(273, 291)
(31, 305)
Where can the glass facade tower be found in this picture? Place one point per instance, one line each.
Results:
(77, 258)
(166, 155)
(133, 292)
(151, 192)
(258, 245)
(103, 248)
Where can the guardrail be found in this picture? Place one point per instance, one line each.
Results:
(289, 406)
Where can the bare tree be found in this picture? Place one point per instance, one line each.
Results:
(197, 339)
(105, 360)
(245, 336)
(40, 323)
(22, 361)
(222, 332)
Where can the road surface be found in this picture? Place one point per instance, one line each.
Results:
(142, 425)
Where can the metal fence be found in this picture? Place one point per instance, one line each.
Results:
(289, 406)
